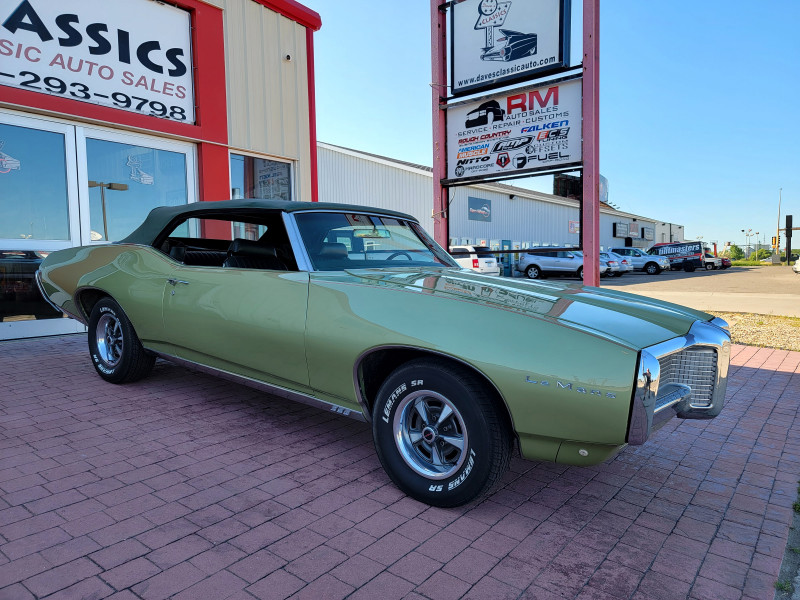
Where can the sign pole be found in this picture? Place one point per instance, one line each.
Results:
(438, 95)
(590, 228)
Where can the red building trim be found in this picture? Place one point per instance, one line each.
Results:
(209, 72)
(294, 11)
(312, 115)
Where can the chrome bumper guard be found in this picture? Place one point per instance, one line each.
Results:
(685, 377)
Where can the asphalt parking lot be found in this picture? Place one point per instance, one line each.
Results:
(190, 487)
(762, 290)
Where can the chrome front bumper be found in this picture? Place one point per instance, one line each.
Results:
(685, 377)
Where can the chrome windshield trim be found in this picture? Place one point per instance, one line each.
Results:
(262, 386)
(296, 241)
(645, 418)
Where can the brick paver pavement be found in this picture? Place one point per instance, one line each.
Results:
(187, 486)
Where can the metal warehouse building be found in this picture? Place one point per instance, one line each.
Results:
(500, 216)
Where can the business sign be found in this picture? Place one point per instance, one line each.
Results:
(134, 56)
(621, 230)
(648, 233)
(479, 209)
(495, 42)
(574, 226)
(523, 131)
(633, 230)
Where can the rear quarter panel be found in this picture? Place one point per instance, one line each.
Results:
(134, 276)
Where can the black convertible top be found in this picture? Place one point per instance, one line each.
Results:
(159, 218)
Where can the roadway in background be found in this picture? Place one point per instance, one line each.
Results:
(761, 290)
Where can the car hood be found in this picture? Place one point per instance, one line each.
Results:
(628, 319)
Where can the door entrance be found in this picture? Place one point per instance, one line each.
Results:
(64, 185)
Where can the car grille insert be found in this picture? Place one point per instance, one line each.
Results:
(695, 367)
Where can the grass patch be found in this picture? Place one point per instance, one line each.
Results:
(784, 586)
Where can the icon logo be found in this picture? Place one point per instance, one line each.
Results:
(503, 159)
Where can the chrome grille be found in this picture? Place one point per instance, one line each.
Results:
(695, 367)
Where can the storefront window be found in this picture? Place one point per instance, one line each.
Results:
(20, 299)
(33, 185)
(126, 182)
(260, 178)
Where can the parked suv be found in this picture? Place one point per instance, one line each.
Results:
(478, 258)
(652, 265)
(711, 262)
(540, 263)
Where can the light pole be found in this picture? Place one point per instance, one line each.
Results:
(119, 187)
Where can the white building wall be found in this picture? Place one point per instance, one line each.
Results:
(530, 218)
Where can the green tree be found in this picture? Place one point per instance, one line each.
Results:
(762, 254)
(736, 252)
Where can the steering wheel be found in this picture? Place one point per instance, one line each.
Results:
(396, 254)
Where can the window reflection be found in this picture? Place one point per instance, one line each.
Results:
(260, 178)
(20, 298)
(126, 182)
(33, 184)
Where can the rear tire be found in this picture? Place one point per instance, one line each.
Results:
(689, 267)
(580, 273)
(533, 272)
(117, 353)
(709, 266)
(439, 433)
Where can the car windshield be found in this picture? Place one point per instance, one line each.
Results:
(336, 241)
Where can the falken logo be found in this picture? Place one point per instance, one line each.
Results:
(569, 387)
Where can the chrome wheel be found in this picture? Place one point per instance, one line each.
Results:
(109, 339)
(430, 434)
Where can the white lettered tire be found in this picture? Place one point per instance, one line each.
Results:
(440, 434)
(117, 354)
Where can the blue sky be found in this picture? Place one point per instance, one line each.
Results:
(699, 102)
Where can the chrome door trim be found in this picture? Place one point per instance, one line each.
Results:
(262, 386)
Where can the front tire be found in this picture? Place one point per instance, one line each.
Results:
(580, 273)
(117, 353)
(652, 268)
(709, 266)
(439, 433)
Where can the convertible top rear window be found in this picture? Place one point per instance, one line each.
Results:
(336, 241)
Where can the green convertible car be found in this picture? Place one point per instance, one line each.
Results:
(357, 310)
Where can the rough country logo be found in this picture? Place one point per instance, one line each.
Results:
(491, 14)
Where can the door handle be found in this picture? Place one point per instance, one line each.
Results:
(173, 281)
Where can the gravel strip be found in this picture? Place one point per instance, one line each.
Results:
(766, 331)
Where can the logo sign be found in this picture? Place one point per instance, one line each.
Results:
(633, 230)
(495, 42)
(574, 227)
(138, 59)
(8, 163)
(479, 210)
(522, 131)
